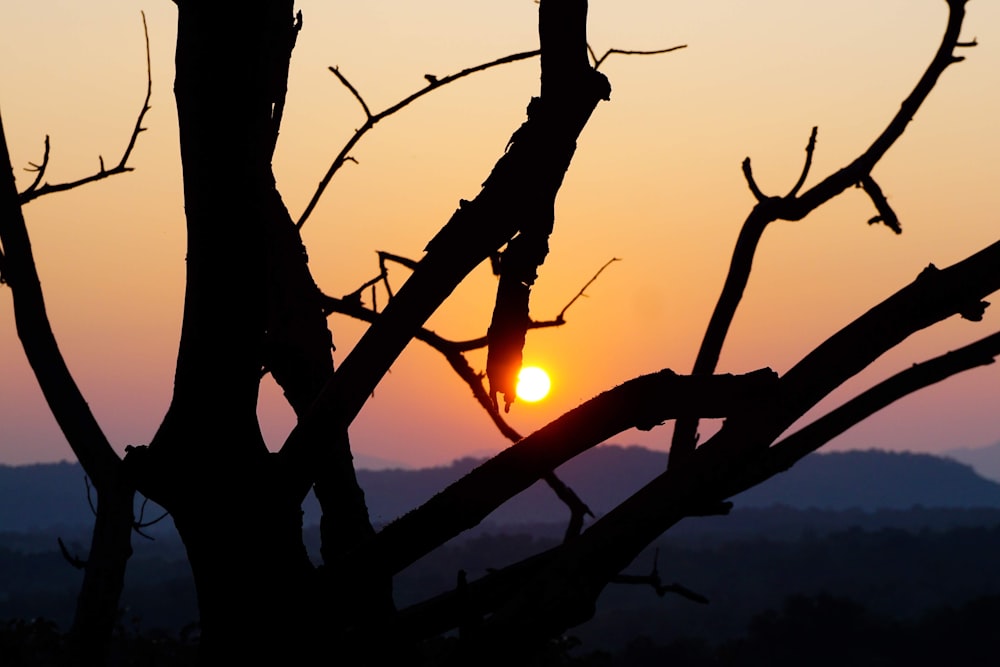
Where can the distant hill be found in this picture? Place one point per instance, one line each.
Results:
(604, 476)
(53, 496)
(985, 460)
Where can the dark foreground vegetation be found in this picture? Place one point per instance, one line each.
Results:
(818, 631)
(785, 586)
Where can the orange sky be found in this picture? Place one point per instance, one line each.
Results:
(656, 182)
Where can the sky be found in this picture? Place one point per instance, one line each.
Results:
(656, 182)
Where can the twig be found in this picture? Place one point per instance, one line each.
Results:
(452, 352)
(138, 524)
(433, 83)
(357, 310)
(810, 148)
(39, 169)
(561, 317)
(628, 52)
(661, 589)
(34, 191)
(354, 91)
(885, 213)
(75, 561)
(751, 183)
(90, 501)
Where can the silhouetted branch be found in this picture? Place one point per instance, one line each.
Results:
(39, 169)
(90, 500)
(35, 190)
(629, 52)
(139, 524)
(350, 304)
(354, 91)
(810, 149)
(653, 579)
(642, 402)
(433, 83)
(751, 183)
(75, 561)
(796, 207)
(562, 313)
(574, 575)
(885, 213)
(809, 438)
(453, 354)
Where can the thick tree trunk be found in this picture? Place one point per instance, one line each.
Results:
(208, 464)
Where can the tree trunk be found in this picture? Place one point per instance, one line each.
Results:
(208, 464)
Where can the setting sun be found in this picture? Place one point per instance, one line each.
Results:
(532, 384)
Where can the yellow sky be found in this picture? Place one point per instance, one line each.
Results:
(656, 182)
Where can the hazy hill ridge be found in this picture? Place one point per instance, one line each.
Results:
(53, 496)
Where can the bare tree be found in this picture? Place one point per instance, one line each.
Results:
(252, 307)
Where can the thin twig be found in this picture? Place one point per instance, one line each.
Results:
(433, 83)
(628, 52)
(453, 353)
(75, 561)
(653, 579)
(39, 169)
(139, 524)
(35, 191)
(354, 91)
(562, 313)
(751, 183)
(90, 500)
(810, 149)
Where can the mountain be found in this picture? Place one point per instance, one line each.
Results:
(604, 476)
(876, 479)
(53, 497)
(984, 460)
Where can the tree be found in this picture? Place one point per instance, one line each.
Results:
(252, 307)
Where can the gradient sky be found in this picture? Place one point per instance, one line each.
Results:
(656, 182)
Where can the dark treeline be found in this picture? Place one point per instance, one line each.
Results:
(886, 575)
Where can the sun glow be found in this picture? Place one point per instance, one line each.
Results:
(533, 384)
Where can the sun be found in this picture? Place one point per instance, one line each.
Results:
(533, 384)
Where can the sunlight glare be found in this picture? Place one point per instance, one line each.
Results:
(532, 384)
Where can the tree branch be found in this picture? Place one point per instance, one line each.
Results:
(433, 83)
(530, 172)
(796, 207)
(642, 402)
(885, 213)
(562, 592)
(36, 189)
(629, 52)
(61, 392)
(808, 439)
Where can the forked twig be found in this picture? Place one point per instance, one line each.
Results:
(371, 119)
(38, 189)
(560, 317)
(433, 83)
(796, 206)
